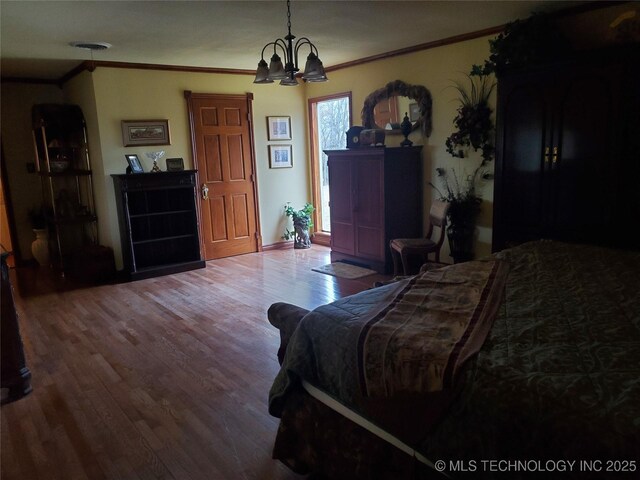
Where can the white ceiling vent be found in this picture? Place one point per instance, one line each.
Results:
(91, 45)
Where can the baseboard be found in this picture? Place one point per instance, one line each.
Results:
(278, 245)
(321, 238)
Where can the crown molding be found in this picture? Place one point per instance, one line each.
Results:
(416, 48)
(92, 65)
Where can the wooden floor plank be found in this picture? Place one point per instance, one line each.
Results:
(166, 377)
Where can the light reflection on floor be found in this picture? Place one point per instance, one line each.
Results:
(333, 288)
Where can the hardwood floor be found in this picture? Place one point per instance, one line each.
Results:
(160, 378)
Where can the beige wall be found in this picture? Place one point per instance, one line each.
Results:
(125, 94)
(17, 144)
(79, 91)
(436, 69)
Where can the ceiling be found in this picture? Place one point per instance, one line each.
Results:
(35, 35)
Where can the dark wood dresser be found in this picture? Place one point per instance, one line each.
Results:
(16, 377)
(159, 227)
(375, 196)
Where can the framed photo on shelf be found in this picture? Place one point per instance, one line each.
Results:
(145, 132)
(280, 156)
(279, 128)
(134, 164)
(175, 164)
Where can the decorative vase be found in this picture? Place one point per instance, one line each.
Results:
(301, 228)
(405, 128)
(460, 237)
(40, 247)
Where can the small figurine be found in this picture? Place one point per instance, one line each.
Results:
(405, 128)
(155, 156)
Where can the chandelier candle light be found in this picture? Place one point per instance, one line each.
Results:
(313, 70)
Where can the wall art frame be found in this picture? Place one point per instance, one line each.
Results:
(145, 132)
(280, 156)
(279, 128)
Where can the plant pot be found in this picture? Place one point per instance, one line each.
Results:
(302, 239)
(461, 241)
(40, 247)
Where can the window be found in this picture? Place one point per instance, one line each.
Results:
(330, 118)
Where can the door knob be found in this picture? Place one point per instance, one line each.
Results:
(205, 191)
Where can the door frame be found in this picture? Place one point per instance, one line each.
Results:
(189, 96)
(320, 237)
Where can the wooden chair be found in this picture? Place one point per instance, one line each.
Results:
(402, 248)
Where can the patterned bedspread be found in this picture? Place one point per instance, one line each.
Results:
(558, 376)
(417, 342)
(406, 346)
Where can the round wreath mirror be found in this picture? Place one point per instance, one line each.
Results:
(383, 101)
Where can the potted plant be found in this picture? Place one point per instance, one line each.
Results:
(464, 207)
(474, 131)
(301, 224)
(40, 246)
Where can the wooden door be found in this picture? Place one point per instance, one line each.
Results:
(223, 154)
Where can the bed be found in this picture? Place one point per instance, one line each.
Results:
(526, 361)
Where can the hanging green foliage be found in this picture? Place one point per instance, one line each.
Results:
(474, 126)
(531, 41)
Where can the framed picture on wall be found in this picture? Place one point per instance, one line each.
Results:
(134, 164)
(280, 156)
(279, 128)
(145, 132)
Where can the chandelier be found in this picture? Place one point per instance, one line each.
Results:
(313, 69)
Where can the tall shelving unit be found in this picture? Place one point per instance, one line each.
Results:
(62, 162)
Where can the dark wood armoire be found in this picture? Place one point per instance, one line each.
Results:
(568, 151)
(375, 196)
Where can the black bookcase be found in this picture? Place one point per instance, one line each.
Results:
(158, 223)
